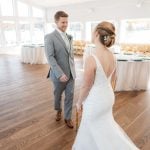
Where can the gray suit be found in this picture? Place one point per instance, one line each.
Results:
(61, 61)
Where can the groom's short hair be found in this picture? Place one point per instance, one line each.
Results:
(59, 14)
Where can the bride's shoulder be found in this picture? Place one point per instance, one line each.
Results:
(111, 55)
(90, 58)
(90, 61)
(113, 58)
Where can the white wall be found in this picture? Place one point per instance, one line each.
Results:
(94, 11)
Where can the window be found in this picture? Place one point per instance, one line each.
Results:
(23, 9)
(0, 36)
(24, 28)
(20, 23)
(37, 12)
(75, 29)
(38, 33)
(7, 7)
(9, 33)
(135, 31)
(89, 29)
(50, 27)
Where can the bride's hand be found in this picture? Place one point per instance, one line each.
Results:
(79, 107)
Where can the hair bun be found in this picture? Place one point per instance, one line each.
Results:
(109, 40)
(106, 30)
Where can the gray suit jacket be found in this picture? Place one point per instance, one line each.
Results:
(60, 59)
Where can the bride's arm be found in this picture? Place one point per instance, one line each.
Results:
(113, 80)
(88, 80)
(114, 75)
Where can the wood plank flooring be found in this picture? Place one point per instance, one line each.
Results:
(27, 116)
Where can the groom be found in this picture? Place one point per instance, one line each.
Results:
(59, 53)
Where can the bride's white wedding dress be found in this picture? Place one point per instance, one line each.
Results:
(98, 130)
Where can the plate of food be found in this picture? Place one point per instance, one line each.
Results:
(137, 59)
(128, 53)
(122, 59)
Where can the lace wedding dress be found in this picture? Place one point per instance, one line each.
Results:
(98, 130)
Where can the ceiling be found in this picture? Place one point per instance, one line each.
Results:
(54, 3)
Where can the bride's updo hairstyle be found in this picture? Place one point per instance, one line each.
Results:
(106, 31)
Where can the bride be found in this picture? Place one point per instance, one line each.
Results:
(98, 130)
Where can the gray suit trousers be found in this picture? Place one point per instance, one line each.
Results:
(59, 88)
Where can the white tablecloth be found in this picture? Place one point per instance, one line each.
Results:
(33, 54)
(131, 75)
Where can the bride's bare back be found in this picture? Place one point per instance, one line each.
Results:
(107, 60)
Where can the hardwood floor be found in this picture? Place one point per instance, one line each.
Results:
(27, 116)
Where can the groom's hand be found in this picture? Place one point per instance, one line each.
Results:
(63, 78)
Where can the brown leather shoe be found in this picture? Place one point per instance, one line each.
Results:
(69, 123)
(58, 116)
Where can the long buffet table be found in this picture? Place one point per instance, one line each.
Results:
(33, 54)
(133, 71)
